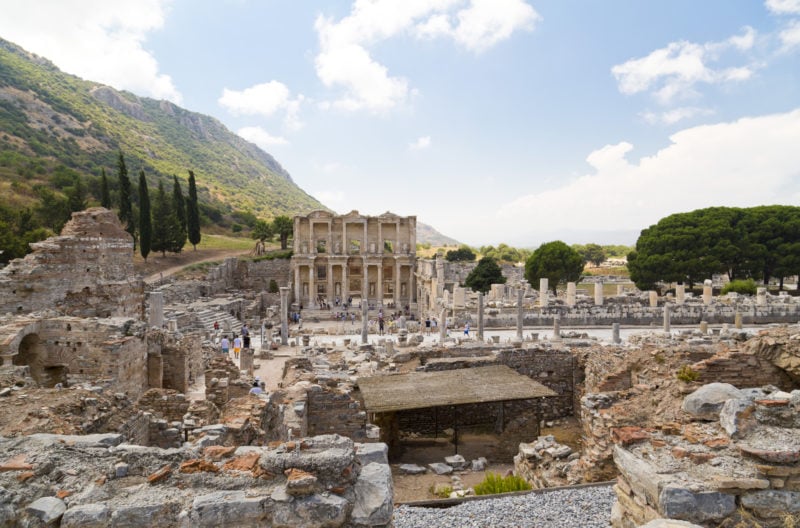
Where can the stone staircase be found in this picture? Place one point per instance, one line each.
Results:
(206, 319)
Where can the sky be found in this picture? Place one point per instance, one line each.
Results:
(491, 120)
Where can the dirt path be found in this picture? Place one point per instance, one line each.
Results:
(158, 267)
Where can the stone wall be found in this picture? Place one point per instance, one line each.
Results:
(165, 403)
(87, 271)
(335, 412)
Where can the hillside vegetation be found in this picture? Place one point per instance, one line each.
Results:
(57, 132)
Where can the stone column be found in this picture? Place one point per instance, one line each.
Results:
(667, 310)
(703, 327)
(598, 294)
(680, 294)
(520, 313)
(284, 315)
(364, 323)
(365, 286)
(761, 296)
(653, 298)
(156, 309)
(312, 294)
(443, 325)
(543, 293)
(557, 327)
(329, 291)
(615, 334)
(620, 290)
(738, 321)
(345, 282)
(379, 284)
(298, 285)
(480, 316)
(570, 294)
(397, 300)
(707, 291)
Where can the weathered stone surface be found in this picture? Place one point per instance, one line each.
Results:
(161, 514)
(457, 462)
(105, 440)
(479, 464)
(669, 523)
(374, 452)
(226, 508)
(314, 511)
(86, 516)
(639, 473)
(706, 402)
(412, 469)
(770, 503)
(736, 417)
(440, 469)
(680, 503)
(299, 482)
(374, 492)
(777, 455)
(47, 509)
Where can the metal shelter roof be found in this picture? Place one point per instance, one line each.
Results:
(419, 390)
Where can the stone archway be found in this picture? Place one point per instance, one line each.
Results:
(32, 353)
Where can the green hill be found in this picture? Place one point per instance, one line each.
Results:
(57, 129)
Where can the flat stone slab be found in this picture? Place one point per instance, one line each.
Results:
(440, 469)
(412, 469)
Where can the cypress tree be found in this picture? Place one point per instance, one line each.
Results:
(161, 222)
(105, 194)
(125, 204)
(145, 222)
(179, 206)
(193, 213)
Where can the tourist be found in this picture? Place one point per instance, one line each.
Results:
(237, 347)
(434, 324)
(246, 335)
(225, 345)
(466, 329)
(428, 325)
(380, 322)
(216, 326)
(256, 389)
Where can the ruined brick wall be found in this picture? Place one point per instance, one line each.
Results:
(331, 412)
(256, 275)
(137, 429)
(742, 369)
(555, 369)
(164, 403)
(87, 271)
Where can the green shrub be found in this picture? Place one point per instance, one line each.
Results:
(443, 492)
(740, 286)
(494, 483)
(273, 286)
(687, 374)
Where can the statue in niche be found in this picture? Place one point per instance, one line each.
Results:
(405, 247)
(337, 248)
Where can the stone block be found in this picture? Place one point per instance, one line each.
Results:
(641, 476)
(314, 511)
(160, 514)
(457, 462)
(772, 503)
(706, 402)
(669, 523)
(677, 502)
(228, 508)
(440, 469)
(412, 469)
(736, 417)
(373, 452)
(86, 516)
(479, 464)
(373, 496)
(47, 509)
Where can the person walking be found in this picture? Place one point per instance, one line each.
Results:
(246, 335)
(237, 347)
(225, 345)
(466, 329)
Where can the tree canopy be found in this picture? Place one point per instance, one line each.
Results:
(555, 261)
(462, 254)
(486, 273)
(758, 242)
(145, 220)
(283, 226)
(193, 213)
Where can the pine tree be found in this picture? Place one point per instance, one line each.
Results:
(161, 222)
(76, 195)
(145, 222)
(105, 194)
(193, 213)
(179, 206)
(125, 204)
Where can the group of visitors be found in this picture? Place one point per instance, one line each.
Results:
(239, 341)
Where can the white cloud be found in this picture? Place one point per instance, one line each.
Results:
(261, 137)
(748, 162)
(264, 99)
(421, 143)
(790, 37)
(345, 60)
(784, 7)
(95, 39)
(671, 73)
(670, 117)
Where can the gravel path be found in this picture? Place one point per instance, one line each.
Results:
(568, 508)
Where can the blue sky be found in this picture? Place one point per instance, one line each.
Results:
(492, 120)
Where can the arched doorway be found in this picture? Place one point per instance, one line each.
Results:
(33, 353)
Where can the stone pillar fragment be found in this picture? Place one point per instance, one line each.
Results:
(704, 327)
(520, 313)
(284, 315)
(246, 360)
(571, 294)
(680, 294)
(738, 321)
(364, 322)
(598, 294)
(761, 296)
(615, 334)
(653, 298)
(443, 325)
(620, 290)
(543, 293)
(156, 318)
(480, 317)
(557, 327)
(707, 291)
(667, 311)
